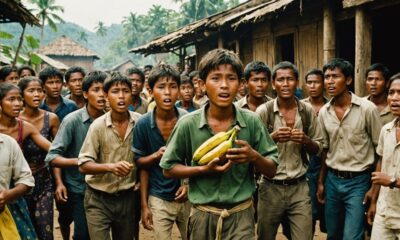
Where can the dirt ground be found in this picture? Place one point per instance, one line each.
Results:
(147, 235)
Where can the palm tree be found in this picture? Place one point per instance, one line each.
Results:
(83, 36)
(101, 29)
(131, 25)
(46, 11)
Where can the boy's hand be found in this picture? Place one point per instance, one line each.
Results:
(121, 169)
(321, 193)
(380, 178)
(3, 199)
(282, 134)
(61, 193)
(181, 194)
(371, 213)
(298, 136)
(214, 167)
(158, 155)
(243, 154)
(147, 218)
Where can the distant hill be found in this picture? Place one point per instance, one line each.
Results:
(98, 44)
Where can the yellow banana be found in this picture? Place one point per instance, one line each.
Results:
(219, 150)
(211, 143)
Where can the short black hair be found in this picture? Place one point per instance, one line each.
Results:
(26, 67)
(115, 78)
(163, 70)
(72, 70)
(393, 78)
(6, 70)
(49, 72)
(147, 67)
(380, 68)
(185, 79)
(217, 57)
(5, 88)
(257, 67)
(286, 65)
(345, 66)
(23, 83)
(315, 71)
(93, 77)
(135, 70)
(193, 74)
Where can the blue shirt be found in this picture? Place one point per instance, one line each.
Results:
(68, 143)
(65, 107)
(192, 108)
(147, 140)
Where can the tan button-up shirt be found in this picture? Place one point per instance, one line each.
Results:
(389, 199)
(291, 165)
(104, 145)
(242, 103)
(351, 142)
(386, 115)
(13, 164)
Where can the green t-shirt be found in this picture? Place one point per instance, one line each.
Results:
(233, 186)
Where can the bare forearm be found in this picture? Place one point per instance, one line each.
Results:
(322, 171)
(148, 161)
(182, 171)
(63, 162)
(266, 166)
(144, 187)
(17, 191)
(95, 168)
(312, 147)
(57, 175)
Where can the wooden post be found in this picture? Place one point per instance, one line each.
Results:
(21, 39)
(363, 49)
(329, 33)
(220, 41)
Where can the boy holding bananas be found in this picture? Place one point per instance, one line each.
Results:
(220, 191)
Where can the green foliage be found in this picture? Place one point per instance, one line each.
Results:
(101, 29)
(46, 11)
(6, 35)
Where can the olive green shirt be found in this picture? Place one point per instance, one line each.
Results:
(351, 142)
(388, 201)
(386, 115)
(237, 184)
(242, 103)
(291, 164)
(104, 145)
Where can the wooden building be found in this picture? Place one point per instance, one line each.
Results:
(69, 52)
(305, 32)
(123, 66)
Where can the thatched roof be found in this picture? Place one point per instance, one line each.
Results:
(14, 11)
(64, 46)
(247, 12)
(54, 63)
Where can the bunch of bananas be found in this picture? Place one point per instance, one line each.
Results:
(215, 146)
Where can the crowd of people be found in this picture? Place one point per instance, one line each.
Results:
(115, 150)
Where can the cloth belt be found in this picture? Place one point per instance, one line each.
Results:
(348, 174)
(224, 213)
(115, 194)
(288, 182)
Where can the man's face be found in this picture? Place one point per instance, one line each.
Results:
(315, 85)
(75, 83)
(394, 97)
(375, 83)
(95, 96)
(53, 87)
(285, 83)
(137, 84)
(335, 82)
(119, 97)
(222, 85)
(165, 93)
(258, 84)
(186, 92)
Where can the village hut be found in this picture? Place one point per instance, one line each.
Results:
(69, 52)
(305, 32)
(123, 66)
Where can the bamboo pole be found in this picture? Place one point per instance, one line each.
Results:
(21, 40)
(329, 33)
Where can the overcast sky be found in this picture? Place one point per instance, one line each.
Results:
(87, 13)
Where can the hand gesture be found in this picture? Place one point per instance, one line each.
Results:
(282, 134)
(298, 136)
(121, 169)
(245, 153)
(3, 199)
(147, 218)
(181, 194)
(215, 167)
(61, 193)
(158, 155)
(321, 193)
(371, 213)
(380, 178)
